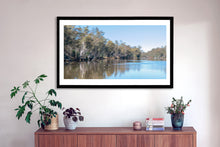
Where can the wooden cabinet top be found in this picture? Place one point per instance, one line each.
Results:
(115, 130)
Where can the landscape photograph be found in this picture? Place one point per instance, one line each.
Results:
(115, 52)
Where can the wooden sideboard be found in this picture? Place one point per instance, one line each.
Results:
(115, 137)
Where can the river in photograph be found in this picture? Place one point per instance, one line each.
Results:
(116, 69)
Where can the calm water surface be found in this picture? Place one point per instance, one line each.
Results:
(116, 69)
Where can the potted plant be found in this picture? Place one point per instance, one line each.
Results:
(71, 117)
(176, 110)
(30, 102)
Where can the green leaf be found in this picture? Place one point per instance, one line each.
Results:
(52, 102)
(25, 84)
(28, 117)
(13, 94)
(42, 125)
(20, 112)
(14, 91)
(59, 104)
(36, 81)
(24, 97)
(43, 76)
(30, 105)
(27, 102)
(38, 122)
(42, 121)
(55, 103)
(51, 92)
(32, 101)
(49, 122)
(40, 78)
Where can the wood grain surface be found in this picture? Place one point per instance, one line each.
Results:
(173, 141)
(115, 130)
(115, 137)
(126, 141)
(56, 141)
(145, 141)
(96, 140)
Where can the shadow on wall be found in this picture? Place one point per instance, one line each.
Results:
(214, 82)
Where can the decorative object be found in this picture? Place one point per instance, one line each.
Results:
(54, 125)
(137, 125)
(71, 117)
(115, 52)
(176, 110)
(155, 124)
(31, 101)
(177, 121)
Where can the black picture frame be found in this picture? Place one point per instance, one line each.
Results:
(171, 50)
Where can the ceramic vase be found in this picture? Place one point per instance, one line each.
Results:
(177, 121)
(69, 123)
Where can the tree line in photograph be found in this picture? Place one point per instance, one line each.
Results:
(84, 44)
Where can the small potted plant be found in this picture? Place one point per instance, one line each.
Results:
(71, 117)
(176, 110)
(30, 102)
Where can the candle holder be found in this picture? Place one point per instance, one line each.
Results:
(137, 125)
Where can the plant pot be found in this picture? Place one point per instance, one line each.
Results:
(177, 121)
(69, 123)
(54, 125)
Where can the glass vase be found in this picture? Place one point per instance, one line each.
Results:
(177, 121)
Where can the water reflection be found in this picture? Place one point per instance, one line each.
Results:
(116, 69)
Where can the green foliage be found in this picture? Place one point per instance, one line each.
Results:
(177, 106)
(51, 92)
(20, 110)
(29, 98)
(45, 116)
(24, 97)
(14, 91)
(25, 84)
(88, 44)
(40, 78)
(39, 124)
(55, 103)
(30, 104)
(156, 54)
(28, 117)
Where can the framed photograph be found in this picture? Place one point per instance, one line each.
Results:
(115, 52)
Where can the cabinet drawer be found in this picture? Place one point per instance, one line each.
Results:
(173, 141)
(126, 140)
(57, 141)
(96, 141)
(145, 140)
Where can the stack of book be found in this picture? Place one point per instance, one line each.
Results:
(155, 124)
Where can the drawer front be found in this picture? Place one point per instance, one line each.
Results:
(126, 140)
(57, 141)
(96, 141)
(145, 141)
(173, 141)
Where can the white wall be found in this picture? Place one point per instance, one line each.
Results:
(28, 48)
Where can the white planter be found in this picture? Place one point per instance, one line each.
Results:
(69, 123)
